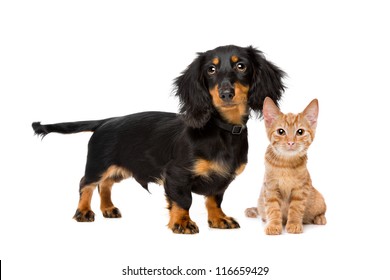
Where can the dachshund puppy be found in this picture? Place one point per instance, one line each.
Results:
(200, 150)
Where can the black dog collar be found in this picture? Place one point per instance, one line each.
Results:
(233, 129)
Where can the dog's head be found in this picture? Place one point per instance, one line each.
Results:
(229, 81)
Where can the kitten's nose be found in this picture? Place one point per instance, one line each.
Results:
(290, 143)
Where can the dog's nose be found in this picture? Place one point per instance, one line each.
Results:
(226, 91)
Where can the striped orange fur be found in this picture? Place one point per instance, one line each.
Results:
(288, 196)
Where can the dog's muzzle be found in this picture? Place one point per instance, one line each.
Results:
(226, 91)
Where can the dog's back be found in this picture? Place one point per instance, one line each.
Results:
(141, 143)
(146, 138)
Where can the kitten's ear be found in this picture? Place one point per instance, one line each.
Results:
(311, 113)
(270, 111)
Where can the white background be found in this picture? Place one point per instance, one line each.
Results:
(79, 60)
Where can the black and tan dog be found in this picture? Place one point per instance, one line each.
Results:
(200, 150)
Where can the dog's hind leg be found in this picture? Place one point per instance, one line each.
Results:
(84, 212)
(106, 206)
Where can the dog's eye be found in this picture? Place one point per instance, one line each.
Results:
(211, 70)
(281, 131)
(241, 67)
(300, 132)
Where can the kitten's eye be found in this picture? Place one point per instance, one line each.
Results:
(211, 70)
(300, 132)
(281, 131)
(241, 67)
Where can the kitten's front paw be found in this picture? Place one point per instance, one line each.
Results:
(273, 229)
(294, 227)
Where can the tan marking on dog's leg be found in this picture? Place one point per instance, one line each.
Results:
(112, 175)
(216, 217)
(86, 197)
(180, 221)
(84, 212)
(106, 206)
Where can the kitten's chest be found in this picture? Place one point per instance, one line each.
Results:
(285, 179)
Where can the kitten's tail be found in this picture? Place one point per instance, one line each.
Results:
(251, 212)
(67, 127)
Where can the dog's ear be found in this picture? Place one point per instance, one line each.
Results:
(195, 100)
(266, 80)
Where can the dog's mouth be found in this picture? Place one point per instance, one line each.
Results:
(229, 105)
(228, 98)
(234, 103)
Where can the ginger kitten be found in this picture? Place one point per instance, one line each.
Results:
(288, 196)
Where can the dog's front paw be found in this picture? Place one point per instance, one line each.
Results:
(184, 227)
(180, 221)
(223, 222)
(84, 216)
(216, 217)
(112, 212)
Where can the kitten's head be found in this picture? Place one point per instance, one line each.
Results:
(290, 134)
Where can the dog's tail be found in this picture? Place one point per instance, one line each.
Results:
(66, 127)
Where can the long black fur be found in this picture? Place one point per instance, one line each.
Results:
(66, 127)
(153, 145)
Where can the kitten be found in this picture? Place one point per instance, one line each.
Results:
(288, 196)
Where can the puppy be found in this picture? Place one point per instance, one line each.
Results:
(200, 150)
